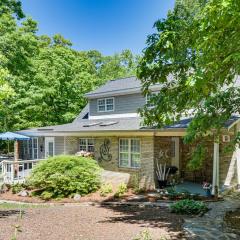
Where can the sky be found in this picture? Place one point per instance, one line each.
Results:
(108, 26)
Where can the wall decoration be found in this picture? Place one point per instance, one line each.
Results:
(105, 154)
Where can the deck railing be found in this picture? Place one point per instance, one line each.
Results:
(16, 171)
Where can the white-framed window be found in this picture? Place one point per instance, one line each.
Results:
(86, 144)
(105, 105)
(148, 99)
(129, 152)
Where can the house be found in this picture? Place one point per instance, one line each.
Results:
(111, 128)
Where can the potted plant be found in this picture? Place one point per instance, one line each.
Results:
(162, 175)
(207, 187)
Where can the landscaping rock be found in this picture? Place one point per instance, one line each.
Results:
(23, 193)
(77, 197)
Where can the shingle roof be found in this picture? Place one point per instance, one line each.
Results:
(184, 123)
(119, 86)
(85, 125)
(108, 125)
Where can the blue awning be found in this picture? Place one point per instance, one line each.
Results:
(13, 136)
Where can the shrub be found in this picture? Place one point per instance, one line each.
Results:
(188, 206)
(16, 188)
(122, 188)
(63, 176)
(105, 189)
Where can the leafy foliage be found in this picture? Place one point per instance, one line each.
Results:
(63, 176)
(106, 189)
(16, 188)
(194, 55)
(188, 206)
(121, 189)
(43, 80)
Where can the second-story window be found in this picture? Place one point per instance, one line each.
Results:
(149, 97)
(105, 105)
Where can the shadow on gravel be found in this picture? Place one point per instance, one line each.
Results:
(154, 217)
(8, 213)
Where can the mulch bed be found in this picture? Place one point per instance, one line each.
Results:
(130, 196)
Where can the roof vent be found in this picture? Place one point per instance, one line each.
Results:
(92, 124)
(107, 124)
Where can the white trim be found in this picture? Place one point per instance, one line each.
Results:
(49, 139)
(105, 104)
(64, 145)
(124, 115)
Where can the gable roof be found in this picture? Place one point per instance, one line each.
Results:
(119, 86)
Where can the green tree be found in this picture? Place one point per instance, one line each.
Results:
(195, 56)
(42, 79)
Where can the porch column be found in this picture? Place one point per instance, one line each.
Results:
(16, 150)
(215, 180)
(238, 164)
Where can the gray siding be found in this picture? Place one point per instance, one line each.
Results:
(123, 104)
(59, 145)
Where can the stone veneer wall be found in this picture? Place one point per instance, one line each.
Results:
(144, 176)
(225, 158)
(71, 145)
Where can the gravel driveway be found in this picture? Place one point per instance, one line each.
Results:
(85, 222)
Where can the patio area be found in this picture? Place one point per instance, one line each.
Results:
(194, 188)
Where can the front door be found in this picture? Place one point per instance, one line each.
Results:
(49, 147)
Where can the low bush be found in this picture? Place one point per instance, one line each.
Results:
(16, 188)
(122, 188)
(188, 206)
(106, 189)
(63, 176)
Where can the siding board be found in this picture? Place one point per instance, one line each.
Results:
(123, 104)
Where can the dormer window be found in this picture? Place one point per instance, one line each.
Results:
(105, 105)
(149, 97)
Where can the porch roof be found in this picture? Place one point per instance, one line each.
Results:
(133, 124)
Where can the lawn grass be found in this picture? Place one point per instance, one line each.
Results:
(8, 206)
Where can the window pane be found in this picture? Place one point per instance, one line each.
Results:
(101, 102)
(135, 146)
(50, 149)
(123, 145)
(83, 141)
(135, 160)
(90, 148)
(109, 107)
(83, 148)
(109, 101)
(124, 159)
(101, 108)
(90, 141)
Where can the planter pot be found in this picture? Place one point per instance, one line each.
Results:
(162, 183)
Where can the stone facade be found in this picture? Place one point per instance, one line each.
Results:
(160, 149)
(144, 176)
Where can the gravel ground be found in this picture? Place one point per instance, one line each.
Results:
(84, 222)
